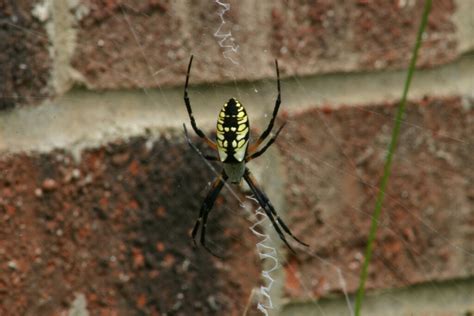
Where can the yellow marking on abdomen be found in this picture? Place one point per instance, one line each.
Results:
(241, 143)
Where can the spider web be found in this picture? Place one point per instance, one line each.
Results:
(339, 271)
(268, 245)
(224, 35)
(265, 247)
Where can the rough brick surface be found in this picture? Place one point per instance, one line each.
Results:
(24, 57)
(384, 33)
(359, 35)
(115, 227)
(123, 44)
(335, 161)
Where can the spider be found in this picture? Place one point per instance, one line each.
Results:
(234, 151)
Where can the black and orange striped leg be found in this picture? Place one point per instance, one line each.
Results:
(196, 129)
(270, 210)
(207, 157)
(211, 158)
(264, 148)
(206, 207)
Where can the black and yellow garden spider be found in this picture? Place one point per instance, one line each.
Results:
(232, 137)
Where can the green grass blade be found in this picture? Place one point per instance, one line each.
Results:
(388, 161)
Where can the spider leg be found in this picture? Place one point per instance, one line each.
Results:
(211, 158)
(196, 129)
(270, 210)
(264, 148)
(206, 207)
(262, 203)
(267, 131)
(208, 157)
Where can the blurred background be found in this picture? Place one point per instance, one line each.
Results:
(99, 190)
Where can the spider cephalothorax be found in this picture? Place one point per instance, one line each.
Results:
(232, 137)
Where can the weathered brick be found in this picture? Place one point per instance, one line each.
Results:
(124, 44)
(24, 58)
(334, 161)
(384, 33)
(116, 227)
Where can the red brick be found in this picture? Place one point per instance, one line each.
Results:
(384, 33)
(123, 43)
(100, 234)
(24, 58)
(140, 44)
(334, 163)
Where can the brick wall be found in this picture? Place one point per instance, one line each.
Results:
(99, 190)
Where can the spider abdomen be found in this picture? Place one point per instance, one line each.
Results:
(232, 132)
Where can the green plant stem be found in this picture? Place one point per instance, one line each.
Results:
(388, 161)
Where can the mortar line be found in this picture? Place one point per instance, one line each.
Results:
(83, 119)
